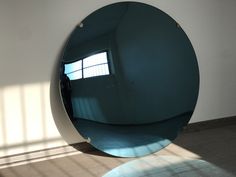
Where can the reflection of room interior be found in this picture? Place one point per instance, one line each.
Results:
(130, 78)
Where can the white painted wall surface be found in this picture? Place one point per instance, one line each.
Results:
(33, 32)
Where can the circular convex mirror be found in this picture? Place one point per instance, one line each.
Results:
(129, 79)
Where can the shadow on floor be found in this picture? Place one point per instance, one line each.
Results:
(217, 146)
(89, 149)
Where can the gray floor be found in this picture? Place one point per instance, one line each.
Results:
(215, 146)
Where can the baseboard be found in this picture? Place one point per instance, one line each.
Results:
(209, 124)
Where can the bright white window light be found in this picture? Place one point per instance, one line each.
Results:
(75, 75)
(97, 70)
(74, 70)
(96, 59)
(94, 65)
(72, 67)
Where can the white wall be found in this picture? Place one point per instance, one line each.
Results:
(33, 32)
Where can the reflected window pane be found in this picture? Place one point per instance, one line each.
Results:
(95, 65)
(73, 67)
(75, 75)
(98, 70)
(95, 59)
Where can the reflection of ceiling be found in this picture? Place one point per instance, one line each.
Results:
(99, 24)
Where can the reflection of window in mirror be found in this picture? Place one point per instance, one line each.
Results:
(92, 66)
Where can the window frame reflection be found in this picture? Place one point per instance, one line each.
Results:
(105, 71)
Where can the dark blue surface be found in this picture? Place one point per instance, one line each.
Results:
(132, 140)
(153, 85)
(154, 71)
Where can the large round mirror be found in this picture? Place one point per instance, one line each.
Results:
(129, 79)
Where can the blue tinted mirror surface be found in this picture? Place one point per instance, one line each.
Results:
(129, 79)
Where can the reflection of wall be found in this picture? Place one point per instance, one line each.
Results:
(92, 97)
(32, 34)
(159, 65)
(90, 47)
(96, 99)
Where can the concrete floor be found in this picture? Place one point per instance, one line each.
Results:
(215, 146)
